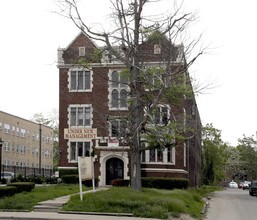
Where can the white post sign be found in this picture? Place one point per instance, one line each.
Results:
(85, 167)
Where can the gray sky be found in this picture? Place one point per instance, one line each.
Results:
(31, 34)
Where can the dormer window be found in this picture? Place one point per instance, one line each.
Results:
(82, 51)
(157, 49)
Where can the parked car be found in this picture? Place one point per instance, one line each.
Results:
(253, 188)
(8, 176)
(246, 185)
(233, 184)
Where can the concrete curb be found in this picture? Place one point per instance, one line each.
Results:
(204, 209)
(96, 213)
(205, 206)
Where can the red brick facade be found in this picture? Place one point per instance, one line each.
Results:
(111, 161)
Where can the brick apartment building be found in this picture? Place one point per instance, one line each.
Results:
(22, 142)
(87, 109)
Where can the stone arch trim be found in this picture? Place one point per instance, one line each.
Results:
(106, 155)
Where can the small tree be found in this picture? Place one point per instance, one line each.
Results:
(214, 156)
(248, 157)
(52, 121)
(166, 82)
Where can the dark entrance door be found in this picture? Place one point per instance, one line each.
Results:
(114, 170)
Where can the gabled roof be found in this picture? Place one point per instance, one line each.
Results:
(78, 35)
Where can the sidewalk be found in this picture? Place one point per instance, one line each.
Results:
(47, 214)
(58, 216)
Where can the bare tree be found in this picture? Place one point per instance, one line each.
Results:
(133, 28)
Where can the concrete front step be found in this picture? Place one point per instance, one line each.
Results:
(51, 203)
(46, 208)
(49, 206)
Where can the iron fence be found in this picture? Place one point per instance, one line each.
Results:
(28, 171)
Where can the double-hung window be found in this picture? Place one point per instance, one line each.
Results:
(117, 128)
(80, 116)
(7, 129)
(165, 156)
(156, 155)
(118, 86)
(161, 115)
(80, 80)
(79, 149)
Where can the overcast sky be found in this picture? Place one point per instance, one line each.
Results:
(31, 34)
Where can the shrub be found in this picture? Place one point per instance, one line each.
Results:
(3, 181)
(64, 172)
(120, 182)
(89, 183)
(23, 186)
(18, 178)
(74, 179)
(51, 180)
(165, 183)
(7, 191)
(70, 179)
(38, 179)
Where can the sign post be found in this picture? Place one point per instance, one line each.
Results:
(93, 173)
(85, 164)
(85, 167)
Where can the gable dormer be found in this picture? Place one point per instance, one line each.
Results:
(80, 49)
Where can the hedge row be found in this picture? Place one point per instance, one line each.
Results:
(23, 186)
(120, 182)
(12, 188)
(70, 176)
(7, 191)
(165, 183)
(74, 179)
(64, 172)
(158, 183)
(70, 179)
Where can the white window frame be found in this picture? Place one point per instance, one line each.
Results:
(22, 132)
(6, 146)
(164, 157)
(77, 107)
(7, 129)
(74, 158)
(157, 49)
(185, 154)
(82, 51)
(160, 107)
(120, 87)
(77, 70)
(17, 148)
(13, 130)
(119, 129)
(17, 132)
(156, 158)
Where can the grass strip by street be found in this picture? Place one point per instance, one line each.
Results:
(149, 203)
(27, 200)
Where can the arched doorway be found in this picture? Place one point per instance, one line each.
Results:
(114, 170)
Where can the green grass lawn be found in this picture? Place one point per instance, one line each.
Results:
(151, 203)
(27, 200)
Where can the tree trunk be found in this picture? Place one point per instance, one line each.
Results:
(135, 169)
(136, 113)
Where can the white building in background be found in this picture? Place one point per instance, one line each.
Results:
(27, 146)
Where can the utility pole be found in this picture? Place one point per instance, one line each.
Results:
(1, 145)
(40, 147)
